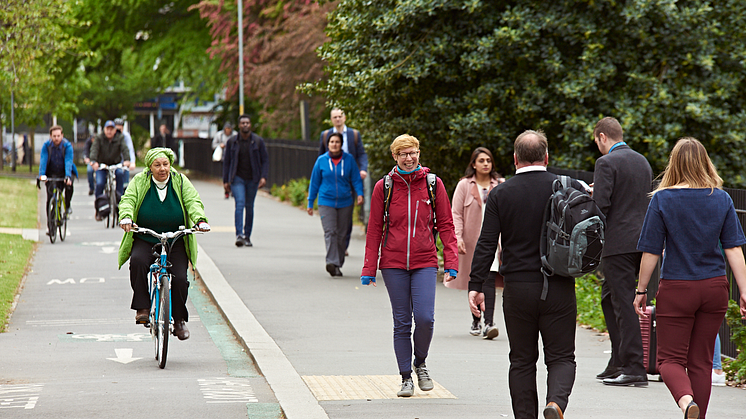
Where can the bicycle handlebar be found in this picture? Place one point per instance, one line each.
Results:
(103, 166)
(166, 235)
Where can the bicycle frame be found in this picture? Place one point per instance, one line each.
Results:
(157, 274)
(110, 189)
(56, 213)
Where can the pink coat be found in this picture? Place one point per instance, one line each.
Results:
(467, 221)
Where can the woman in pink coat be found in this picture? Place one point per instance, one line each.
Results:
(468, 207)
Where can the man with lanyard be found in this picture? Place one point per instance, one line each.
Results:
(57, 162)
(352, 143)
(108, 148)
(119, 125)
(245, 170)
(622, 181)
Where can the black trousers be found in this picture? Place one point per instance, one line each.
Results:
(617, 296)
(140, 260)
(68, 192)
(527, 316)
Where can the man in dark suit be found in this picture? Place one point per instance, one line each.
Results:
(622, 181)
(515, 210)
(352, 144)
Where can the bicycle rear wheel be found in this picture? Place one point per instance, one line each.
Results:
(163, 323)
(62, 212)
(52, 218)
(114, 210)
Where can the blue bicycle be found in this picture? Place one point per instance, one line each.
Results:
(159, 287)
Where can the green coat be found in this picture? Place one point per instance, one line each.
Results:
(191, 204)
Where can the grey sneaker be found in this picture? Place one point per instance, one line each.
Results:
(423, 378)
(407, 388)
(490, 331)
(476, 327)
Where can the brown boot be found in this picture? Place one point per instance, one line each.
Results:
(142, 316)
(180, 330)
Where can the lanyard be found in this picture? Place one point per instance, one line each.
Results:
(615, 145)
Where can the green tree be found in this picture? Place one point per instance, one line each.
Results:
(458, 74)
(33, 42)
(280, 39)
(140, 48)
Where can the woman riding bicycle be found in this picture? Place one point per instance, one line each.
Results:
(160, 199)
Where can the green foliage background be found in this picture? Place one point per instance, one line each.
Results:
(459, 74)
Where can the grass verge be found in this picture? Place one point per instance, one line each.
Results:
(14, 255)
(18, 200)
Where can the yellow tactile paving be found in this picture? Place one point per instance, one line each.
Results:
(362, 387)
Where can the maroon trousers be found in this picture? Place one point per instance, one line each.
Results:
(689, 314)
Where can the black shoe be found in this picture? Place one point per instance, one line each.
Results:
(180, 330)
(247, 242)
(692, 411)
(331, 268)
(609, 372)
(337, 272)
(90, 192)
(627, 380)
(239, 241)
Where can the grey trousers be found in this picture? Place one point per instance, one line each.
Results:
(336, 224)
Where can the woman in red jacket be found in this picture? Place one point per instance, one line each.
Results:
(408, 255)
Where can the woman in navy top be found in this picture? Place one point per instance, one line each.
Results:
(689, 216)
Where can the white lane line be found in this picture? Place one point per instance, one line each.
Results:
(295, 398)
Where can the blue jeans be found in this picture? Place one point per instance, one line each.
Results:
(101, 181)
(412, 293)
(244, 192)
(717, 363)
(91, 180)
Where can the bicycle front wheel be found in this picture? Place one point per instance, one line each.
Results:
(52, 218)
(163, 323)
(114, 213)
(62, 212)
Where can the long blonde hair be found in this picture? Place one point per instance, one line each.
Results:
(690, 164)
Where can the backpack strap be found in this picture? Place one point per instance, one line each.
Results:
(387, 187)
(431, 182)
(326, 135)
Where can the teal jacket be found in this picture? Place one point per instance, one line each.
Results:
(191, 204)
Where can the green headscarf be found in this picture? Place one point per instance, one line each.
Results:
(154, 153)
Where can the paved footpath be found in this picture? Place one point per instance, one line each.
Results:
(337, 334)
(320, 346)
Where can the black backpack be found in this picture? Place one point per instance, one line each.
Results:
(572, 237)
(387, 188)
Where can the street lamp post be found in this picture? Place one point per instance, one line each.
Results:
(240, 57)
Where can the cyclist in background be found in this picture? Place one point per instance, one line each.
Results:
(119, 125)
(108, 148)
(57, 161)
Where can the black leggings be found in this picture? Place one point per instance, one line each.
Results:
(140, 260)
(488, 288)
(68, 192)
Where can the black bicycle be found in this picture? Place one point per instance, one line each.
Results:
(56, 211)
(110, 190)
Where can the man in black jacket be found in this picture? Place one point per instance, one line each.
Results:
(515, 210)
(108, 148)
(245, 170)
(621, 183)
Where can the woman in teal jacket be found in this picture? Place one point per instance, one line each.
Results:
(334, 179)
(160, 199)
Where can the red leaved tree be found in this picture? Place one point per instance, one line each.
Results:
(280, 41)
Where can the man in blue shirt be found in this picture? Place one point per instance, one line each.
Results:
(57, 162)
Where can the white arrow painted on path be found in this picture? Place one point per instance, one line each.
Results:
(108, 249)
(124, 356)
